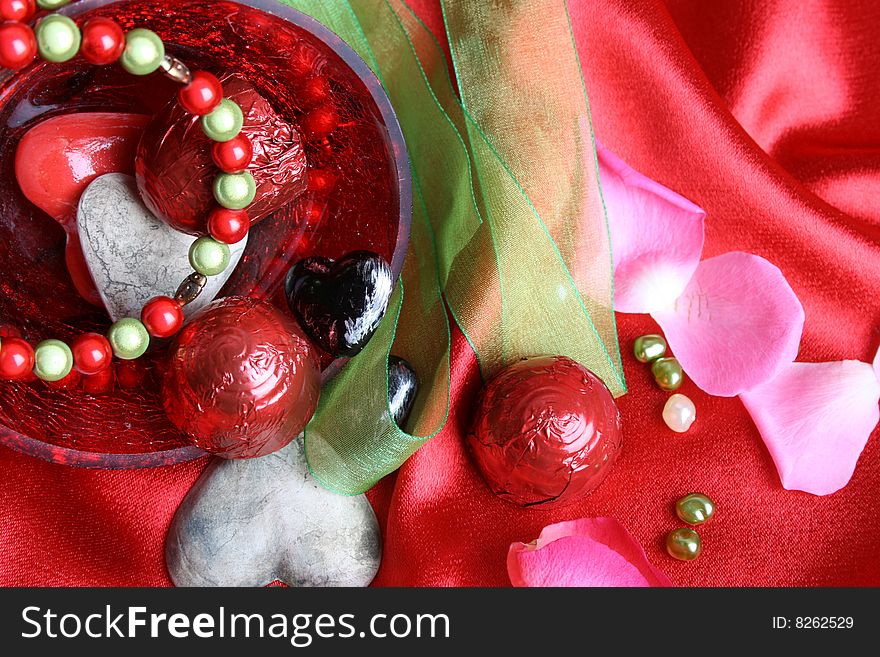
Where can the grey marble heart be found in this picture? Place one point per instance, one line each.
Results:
(132, 255)
(250, 522)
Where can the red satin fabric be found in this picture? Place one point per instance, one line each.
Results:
(764, 113)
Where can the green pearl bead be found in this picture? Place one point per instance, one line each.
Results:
(649, 348)
(683, 544)
(143, 52)
(58, 38)
(208, 256)
(695, 508)
(667, 374)
(235, 191)
(52, 4)
(224, 122)
(53, 360)
(129, 338)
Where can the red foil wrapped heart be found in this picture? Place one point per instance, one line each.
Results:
(175, 170)
(242, 380)
(546, 432)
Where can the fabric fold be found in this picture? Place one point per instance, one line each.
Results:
(491, 229)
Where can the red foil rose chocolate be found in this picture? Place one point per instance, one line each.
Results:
(175, 171)
(546, 432)
(242, 380)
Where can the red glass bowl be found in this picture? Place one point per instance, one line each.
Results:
(361, 199)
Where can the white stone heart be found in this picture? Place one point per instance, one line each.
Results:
(250, 522)
(132, 255)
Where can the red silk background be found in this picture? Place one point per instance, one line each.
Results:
(763, 112)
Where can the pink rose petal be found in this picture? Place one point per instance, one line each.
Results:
(736, 324)
(815, 419)
(877, 365)
(656, 237)
(586, 552)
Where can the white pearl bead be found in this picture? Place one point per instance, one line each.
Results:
(679, 413)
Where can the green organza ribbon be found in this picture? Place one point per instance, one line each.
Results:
(509, 225)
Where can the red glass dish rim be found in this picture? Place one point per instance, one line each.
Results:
(73, 457)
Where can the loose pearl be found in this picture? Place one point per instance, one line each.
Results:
(143, 52)
(208, 256)
(683, 544)
(649, 348)
(58, 38)
(52, 4)
(668, 374)
(224, 122)
(695, 508)
(53, 360)
(679, 413)
(129, 338)
(235, 191)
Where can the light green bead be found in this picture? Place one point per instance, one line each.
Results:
(208, 256)
(224, 122)
(53, 360)
(695, 508)
(58, 38)
(52, 4)
(143, 52)
(235, 191)
(648, 348)
(684, 544)
(668, 374)
(129, 338)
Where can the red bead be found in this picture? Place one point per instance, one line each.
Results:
(202, 94)
(130, 374)
(163, 317)
(313, 91)
(320, 122)
(312, 212)
(18, 45)
(228, 226)
(234, 155)
(102, 41)
(100, 383)
(17, 10)
(92, 353)
(322, 181)
(70, 381)
(16, 358)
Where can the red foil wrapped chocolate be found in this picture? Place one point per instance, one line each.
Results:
(242, 380)
(546, 432)
(175, 169)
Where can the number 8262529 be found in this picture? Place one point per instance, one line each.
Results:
(823, 622)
